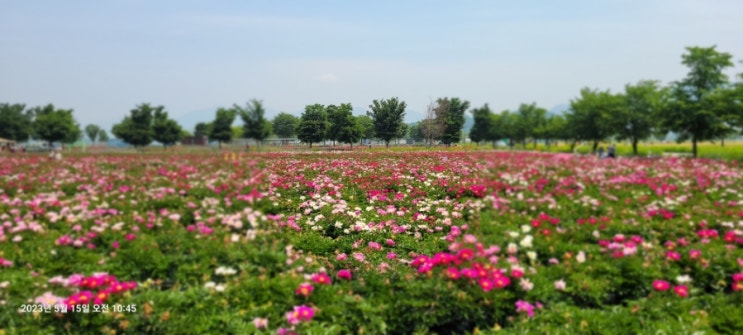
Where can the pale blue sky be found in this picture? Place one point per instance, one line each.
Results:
(102, 58)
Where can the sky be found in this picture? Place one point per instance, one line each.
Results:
(102, 58)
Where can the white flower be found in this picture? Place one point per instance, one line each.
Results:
(210, 284)
(225, 271)
(527, 241)
(513, 234)
(581, 258)
(525, 229)
(683, 279)
(532, 255)
(219, 288)
(512, 248)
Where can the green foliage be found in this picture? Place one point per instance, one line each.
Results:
(165, 130)
(55, 125)
(285, 125)
(450, 115)
(637, 119)
(591, 114)
(387, 115)
(136, 129)
(343, 126)
(481, 130)
(102, 135)
(366, 125)
(691, 111)
(313, 124)
(201, 129)
(255, 125)
(529, 122)
(92, 131)
(221, 129)
(16, 125)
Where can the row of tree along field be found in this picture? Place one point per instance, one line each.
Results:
(703, 106)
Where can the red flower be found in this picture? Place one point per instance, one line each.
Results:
(344, 274)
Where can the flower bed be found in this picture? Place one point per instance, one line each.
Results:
(384, 242)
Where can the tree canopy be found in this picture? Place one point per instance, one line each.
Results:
(450, 115)
(165, 130)
(15, 121)
(136, 129)
(313, 124)
(285, 125)
(255, 125)
(55, 125)
(387, 116)
(221, 127)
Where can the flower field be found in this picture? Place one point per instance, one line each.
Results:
(376, 243)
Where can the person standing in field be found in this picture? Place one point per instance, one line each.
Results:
(612, 151)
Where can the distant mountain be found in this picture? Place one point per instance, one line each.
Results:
(560, 109)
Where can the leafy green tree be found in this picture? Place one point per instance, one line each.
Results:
(531, 120)
(312, 125)
(16, 124)
(481, 130)
(201, 129)
(503, 127)
(221, 127)
(343, 126)
(285, 125)
(366, 124)
(55, 125)
(451, 116)
(402, 132)
(590, 115)
(636, 120)
(92, 131)
(432, 126)
(165, 130)
(554, 129)
(102, 135)
(136, 129)
(415, 133)
(387, 116)
(691, 111)
(255, 125)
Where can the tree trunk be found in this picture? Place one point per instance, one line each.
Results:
(310, 145)
(386, 144)
(220, 145)
(634, 146)
(722, 142)
(694, 146)
(351, 146)
(535, 144)
(595, 146)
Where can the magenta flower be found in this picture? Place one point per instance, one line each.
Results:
(344, 274)
(525, 307)
(681, 290)
(661, 285)
(321, 278)
(305, 289)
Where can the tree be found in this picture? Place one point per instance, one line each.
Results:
(402, 132)
(415, 133)
(431, 127)
(55, 125)
(590, 115)
(531, 119)
(450, 114)
(343, 126)
(201, 129)
(136, 129)
(635, 121)
(387, 116)
(312, 125)
(483, 123)
(16, 124)
(92, 131)
(503, 127)
(255, 125)
(221, 129)
(102, 135)
(165, 130)
(554, 129)
(691, 111)
(285, 125)
(366, 125)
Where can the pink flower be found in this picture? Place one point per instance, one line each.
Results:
(523, 306)
(681, 290)
(130, 237)
(672, 255)
(299, 314)
(359, 257)
(344, 274)
(6, 263)
(341, 257)
(321, 278)
(390, 242)
(115, 244)
(260, 323)
(375, 246)
(560, 285)
(304, 289)
(391, 255)
(661, 285)
(737, 277)
(694, 254)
